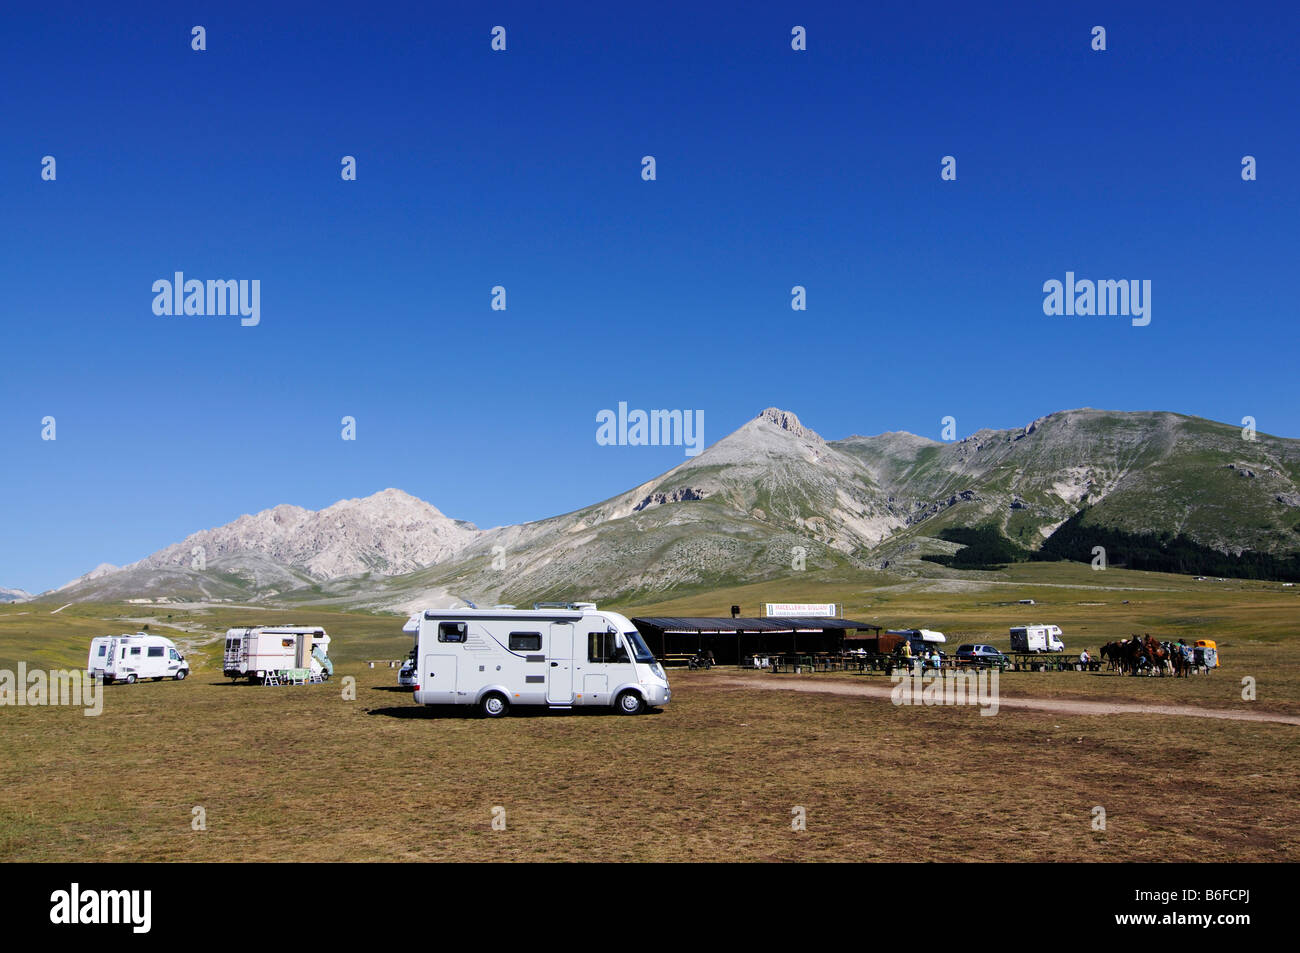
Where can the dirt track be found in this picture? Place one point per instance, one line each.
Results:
(1059, 705)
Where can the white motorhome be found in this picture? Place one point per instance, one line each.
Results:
(1036, 638)
(253, 652)
(128, 658)
(554, 655)
(920, 639)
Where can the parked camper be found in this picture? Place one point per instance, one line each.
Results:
(559, 656)
(921, 640)
(256, 651)
(127, 658)
(1036, 638)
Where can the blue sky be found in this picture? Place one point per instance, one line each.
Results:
(522, 168)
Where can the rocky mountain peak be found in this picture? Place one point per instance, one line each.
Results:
(787, 421)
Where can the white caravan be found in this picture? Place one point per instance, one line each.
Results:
(257, 651)
(920, 639)
(127, 658)
(1036, 638)
(556, 655)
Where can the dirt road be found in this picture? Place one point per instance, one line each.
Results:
(1064, 706)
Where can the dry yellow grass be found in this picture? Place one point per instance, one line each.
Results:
(300, 773)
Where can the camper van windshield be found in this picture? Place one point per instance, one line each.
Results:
(640, 650)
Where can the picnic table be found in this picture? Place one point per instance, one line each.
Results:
(1050, 662)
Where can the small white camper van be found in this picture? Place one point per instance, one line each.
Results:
(556, 655)
(128, 658)
(253, 652)
(1036, 638)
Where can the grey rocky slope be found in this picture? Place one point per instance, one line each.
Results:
(759, 503)
(744, 508)
(289, 547)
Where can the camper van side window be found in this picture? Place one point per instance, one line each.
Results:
(525, 641)
(604, 647)
(452, 631)
(155, 651)
(136, 650)
(103, 650)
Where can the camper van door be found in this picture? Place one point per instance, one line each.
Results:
(441, 642)
(559, 682)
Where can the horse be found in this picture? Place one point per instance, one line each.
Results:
(1181, 662)
(1139, 654)
(1113, 655)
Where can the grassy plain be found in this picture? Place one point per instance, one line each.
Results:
(304, 773)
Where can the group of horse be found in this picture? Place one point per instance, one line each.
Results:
(1143, 655)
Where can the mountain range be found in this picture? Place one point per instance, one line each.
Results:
(770, 498)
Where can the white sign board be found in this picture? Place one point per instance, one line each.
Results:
(802, 610)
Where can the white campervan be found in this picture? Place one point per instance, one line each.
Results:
(128, 658)
(556, 655)
(921, 640)
(253, 652)
(1036, 638)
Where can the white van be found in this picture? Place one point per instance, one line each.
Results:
(128, 658)
(555, 655)
(253, 652)
(1036, 638)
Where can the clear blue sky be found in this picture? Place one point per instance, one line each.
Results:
(522, 168)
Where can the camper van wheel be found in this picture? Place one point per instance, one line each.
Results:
(630, 703)
(493, 705)
(324, 676)
(130, 679)
(181, 674)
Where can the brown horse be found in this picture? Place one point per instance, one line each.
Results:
(1137, 662)
(1158, 655)
(1182, 664)
(1113, 654)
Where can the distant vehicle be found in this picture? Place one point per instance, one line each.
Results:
(553, 655)
(128, 658)
(406, 677)
(920, 640)
(981, 654)
(1036, 638)
(1027, 602)
(253, 652)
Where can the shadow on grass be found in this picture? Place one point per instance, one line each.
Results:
(243, 683)
(517, 711)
